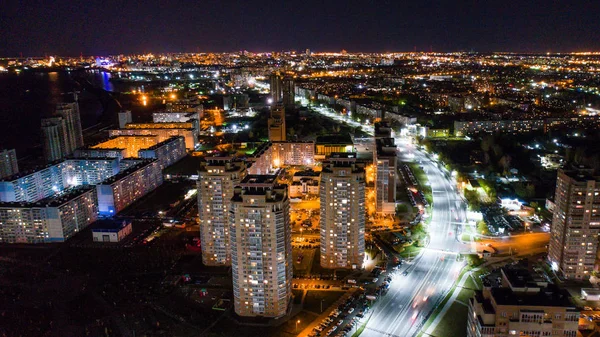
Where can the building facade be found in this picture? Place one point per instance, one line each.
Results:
(33, 186)
(261, 248)
(342, 223)
(54, 135)
(524, 304)
(189, 134)
(167, 152)
(293, 153)
(62, 133)
(217, 178)
(121, 190)
(575, 224)
(276, 123)
(53, 219)
(8, 163)
(88, 171)
(385, 161)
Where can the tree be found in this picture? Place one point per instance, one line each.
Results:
(482, 228)
(473, 199)
(504, 163)
(498, 151)
(291, 132)
(486, 143)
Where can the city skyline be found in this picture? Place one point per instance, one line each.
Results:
(260, 26)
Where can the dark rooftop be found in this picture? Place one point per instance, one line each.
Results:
(109, 225)
(335, 139)
(548, 297)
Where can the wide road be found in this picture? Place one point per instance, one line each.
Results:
(413, 297)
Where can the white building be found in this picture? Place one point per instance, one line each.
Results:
(111, 230)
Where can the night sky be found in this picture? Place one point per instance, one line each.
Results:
(93, 27)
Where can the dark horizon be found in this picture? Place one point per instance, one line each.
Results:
(111, 27)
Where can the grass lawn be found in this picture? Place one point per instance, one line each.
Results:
(312, 301)
(454, 322)
(465, 295)
(466, 237)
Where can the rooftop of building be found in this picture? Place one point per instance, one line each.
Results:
(343, 160)
(259, 179)
(25, 173)
(293, 142)
(520, 275)
(142, 163)
(109, 139)
(307, 173)
(166, 125)
(52, 201)
(165, 142)
(382, 129)
(580, 173)
(547, 297)
(386, 146)
(109, 225)
(343, 139)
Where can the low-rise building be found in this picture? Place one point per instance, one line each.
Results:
(106, 230)
(326, 145)
(524, 305)
(305, 183)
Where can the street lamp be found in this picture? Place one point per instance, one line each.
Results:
(298, 321)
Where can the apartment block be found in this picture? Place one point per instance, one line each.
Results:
(342, 223)
(261, 249)
(575, 223)
(53, 219)
(217, 178)
(121, 190)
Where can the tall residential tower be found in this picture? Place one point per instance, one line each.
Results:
(575, 224)
(261, 247)
(342, 224)
(216, 179)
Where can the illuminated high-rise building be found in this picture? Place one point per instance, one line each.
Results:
(575, 224)
(288, 95)
(70, 113)
(54, 136)
(342, 224)
(276, 123)
(384, 160)
(216, 179)
(276, 86)
(8, 163)
(261, 247)
(62, 133)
